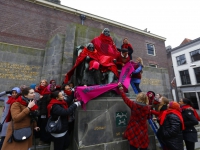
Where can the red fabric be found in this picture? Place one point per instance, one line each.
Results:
(93, 64)
(126, 46)
(137, 131)
(172, 111)
(55, 101)
(69, 92)
(105, 61)
(105, 46)
(158, 114)
(195, 112)
(121, 60)
(10, 101)
(79, 60)
(151, 99)
(42, 90)
(22, 102)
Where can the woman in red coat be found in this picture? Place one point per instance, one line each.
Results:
(137, 130)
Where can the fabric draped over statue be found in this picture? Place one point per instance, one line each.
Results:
(80, 59)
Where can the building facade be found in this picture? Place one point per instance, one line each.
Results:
(186, 65)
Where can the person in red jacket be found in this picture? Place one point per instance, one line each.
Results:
(122, 58)
(128, 46)
(137, 131)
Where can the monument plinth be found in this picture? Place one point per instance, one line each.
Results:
(101, 126)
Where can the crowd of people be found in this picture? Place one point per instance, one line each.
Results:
(176, 121)
(31, 106)
(35, 106)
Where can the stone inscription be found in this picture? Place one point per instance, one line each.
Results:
(18, 71)
(100, 128)
(119, 133)
(147, 81)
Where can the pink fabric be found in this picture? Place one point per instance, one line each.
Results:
(85, 94)
(93, 65)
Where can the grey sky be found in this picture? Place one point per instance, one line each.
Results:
(172, 19)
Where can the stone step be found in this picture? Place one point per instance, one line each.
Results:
(45, 147)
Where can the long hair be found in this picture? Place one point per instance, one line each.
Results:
(164, 101)
(187, 102)
(140, 61)
(142, 97)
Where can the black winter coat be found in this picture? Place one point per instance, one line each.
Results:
(170, 133)
(190, 133)
(42, 103)
(58, 110)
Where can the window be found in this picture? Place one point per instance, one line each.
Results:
(192, 96)
(151, 49)
(153, 65)
(181, 60)
(195, 55)
(197, 74)
(185, 77)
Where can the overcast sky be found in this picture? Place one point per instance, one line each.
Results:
(172, 19)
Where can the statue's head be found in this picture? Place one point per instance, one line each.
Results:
(106, 32)
(90, 46)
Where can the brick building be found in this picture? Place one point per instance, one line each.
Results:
(32, 23)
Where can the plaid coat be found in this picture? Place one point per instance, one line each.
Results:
(137, 130)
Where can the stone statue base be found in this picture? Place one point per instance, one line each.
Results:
(101, 126)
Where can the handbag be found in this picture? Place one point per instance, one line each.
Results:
(22, 134)
(1, 124)
(53, 126)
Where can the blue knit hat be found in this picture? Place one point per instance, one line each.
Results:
(32, 86)
(17, 90)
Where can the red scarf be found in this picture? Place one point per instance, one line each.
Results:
(172, 111)
(68, 93)
(184, 107)
(22, 102)
(10, 101)
(43, 90)
(126, 46)
(55, 101)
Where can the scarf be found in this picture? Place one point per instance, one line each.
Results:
(172, 111)
(10, 101)
(68, 93)
(23, 101)
(55, 101)
(184, 107)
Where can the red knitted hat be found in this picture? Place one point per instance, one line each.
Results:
(174, 105)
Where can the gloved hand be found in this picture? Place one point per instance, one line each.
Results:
(77, 103)
(9, 92)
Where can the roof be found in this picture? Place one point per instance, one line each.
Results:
(185, 41)
(93, 17)
(186, 44)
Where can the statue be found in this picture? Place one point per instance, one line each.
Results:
(87, 66)
(107, 52)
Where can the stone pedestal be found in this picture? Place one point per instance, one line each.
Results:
(101, 126)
